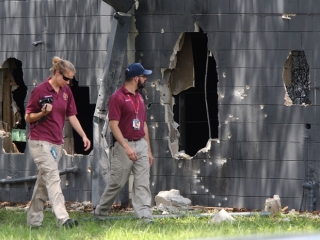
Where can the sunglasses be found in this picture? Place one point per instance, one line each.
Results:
(66, 78)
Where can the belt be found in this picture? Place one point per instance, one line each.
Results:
(129, 140)
(132, 140)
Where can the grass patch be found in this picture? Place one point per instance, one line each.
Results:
(13, 226)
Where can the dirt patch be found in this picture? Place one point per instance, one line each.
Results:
(87, 207)
(70, 206)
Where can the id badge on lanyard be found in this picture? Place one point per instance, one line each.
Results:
(136, 122)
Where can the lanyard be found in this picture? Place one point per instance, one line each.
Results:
(136, 109)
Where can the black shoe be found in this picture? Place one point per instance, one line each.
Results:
(70, 223)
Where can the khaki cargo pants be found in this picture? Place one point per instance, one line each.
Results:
(47, 184)
(121, 167)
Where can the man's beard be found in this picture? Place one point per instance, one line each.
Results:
(140, 84)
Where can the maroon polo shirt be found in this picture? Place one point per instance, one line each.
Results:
(122, 107)
(51, 129)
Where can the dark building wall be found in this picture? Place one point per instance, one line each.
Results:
(74, 30)
(261, 148)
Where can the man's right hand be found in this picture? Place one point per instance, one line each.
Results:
(131, 153)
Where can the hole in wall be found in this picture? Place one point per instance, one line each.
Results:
(85, 115)
(296, 79)
(13, 94)
(197, 121)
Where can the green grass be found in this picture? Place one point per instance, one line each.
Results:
(13, 226)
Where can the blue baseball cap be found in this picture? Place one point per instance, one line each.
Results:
(136, 69)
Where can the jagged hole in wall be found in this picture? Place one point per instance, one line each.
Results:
(13, 93)
(85, 116)
(296, 79)
(190, 110)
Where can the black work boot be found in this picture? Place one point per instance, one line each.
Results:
(70, 223)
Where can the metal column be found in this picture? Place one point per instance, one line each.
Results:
(112, 71)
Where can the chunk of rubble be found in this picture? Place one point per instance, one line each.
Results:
(75, 205)
(273, 205)
(167, 209)
(171, 201)
(221, 216)
(182, 155)
(87, 204)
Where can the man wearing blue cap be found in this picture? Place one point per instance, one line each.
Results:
(131, 150)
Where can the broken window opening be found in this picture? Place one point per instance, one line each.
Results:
(73, 143)
(296, 79)
(13, 94)
(190, 109)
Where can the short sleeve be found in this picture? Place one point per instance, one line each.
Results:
(115, 106)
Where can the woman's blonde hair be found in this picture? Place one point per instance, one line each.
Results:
(61, 65)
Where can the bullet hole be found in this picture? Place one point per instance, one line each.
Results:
(229, 135)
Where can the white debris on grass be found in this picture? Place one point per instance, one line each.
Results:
(223, 215)
(273, 205)
(171, 202)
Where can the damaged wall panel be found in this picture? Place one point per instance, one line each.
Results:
(296, 79)
(182, 73)
(260, 148)
(13, 94)
(254, 126)
(87, 39)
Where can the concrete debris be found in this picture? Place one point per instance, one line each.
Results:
(293, 211)
(87, 204)
(167, 209)
(75, 205)
(136, 4)
(221, 216)
(207, 147)
(182, 155)
(171, 201)
(273, 205)
(80, 208)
